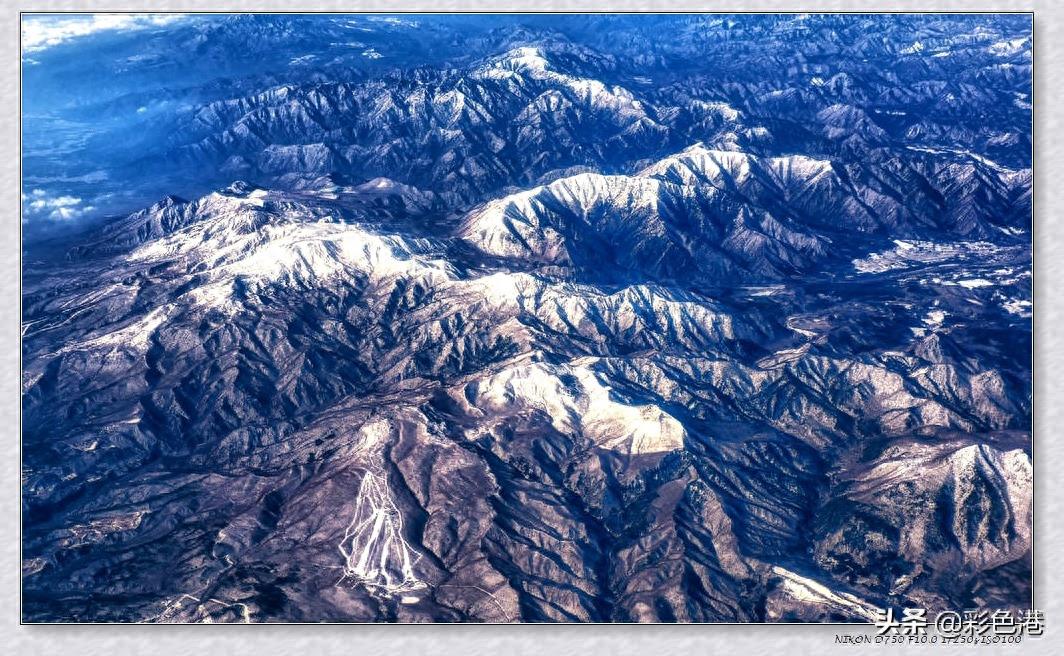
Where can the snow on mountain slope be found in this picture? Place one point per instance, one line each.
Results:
(585, 409)
(531, 61)
(242, 237)
(648, 222)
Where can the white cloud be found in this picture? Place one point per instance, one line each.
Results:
(39, 204)
(41, 31)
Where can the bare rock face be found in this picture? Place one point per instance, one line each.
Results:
(555, 330)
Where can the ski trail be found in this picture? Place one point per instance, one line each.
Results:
(375, 553)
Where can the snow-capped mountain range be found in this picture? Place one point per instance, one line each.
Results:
(545, 326)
